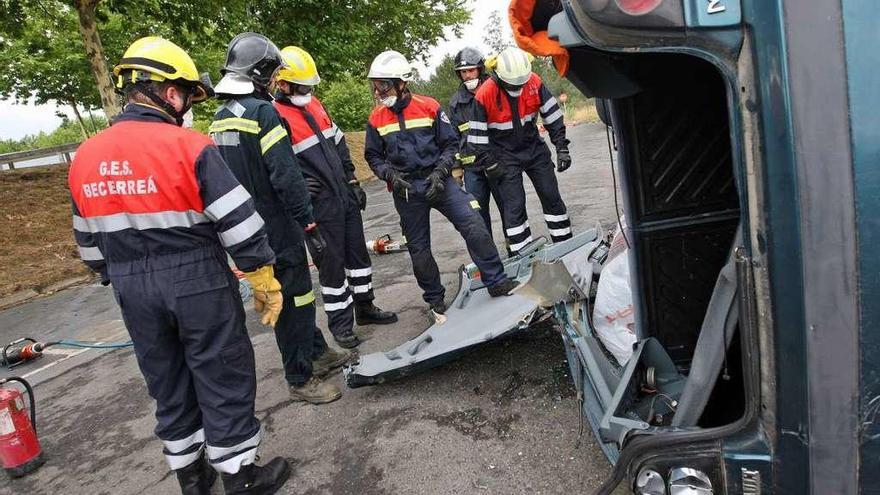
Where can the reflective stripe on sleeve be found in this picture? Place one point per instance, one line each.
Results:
(548, 105)
(226, 203)
(553, 117)
(243, 231)
(272, 137)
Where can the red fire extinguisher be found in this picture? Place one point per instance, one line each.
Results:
(20, 450)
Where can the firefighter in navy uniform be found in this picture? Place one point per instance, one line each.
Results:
(337, 199)
(254, 142)
(411, 145)
(504, 138)
(469, 66)
(154, 209)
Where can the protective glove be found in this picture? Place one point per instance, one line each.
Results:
(359, 194)
(458, 175)
(268, 300)
(563, 160)
(436, 185)
(494, 172)
(313, 185)
(315, 243)
(398, 184)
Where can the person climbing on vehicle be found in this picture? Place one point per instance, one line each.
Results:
(411, 145)
(469, 66)
(345, 272)
(155, 212)
(504, 139)
(254, 141)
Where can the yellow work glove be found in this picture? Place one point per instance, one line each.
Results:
(267, 294)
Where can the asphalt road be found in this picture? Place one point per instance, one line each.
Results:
(502, 419)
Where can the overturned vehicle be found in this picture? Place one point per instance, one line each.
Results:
(747, 141)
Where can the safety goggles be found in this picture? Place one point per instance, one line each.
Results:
(382, 86)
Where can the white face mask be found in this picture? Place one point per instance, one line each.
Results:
(389, 101)
(516, 93)
(301, 100)
(472, 84)
(188, 119)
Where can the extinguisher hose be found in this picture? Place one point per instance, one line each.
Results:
(30, 392)
(91, 345)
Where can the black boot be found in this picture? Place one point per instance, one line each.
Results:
(348, 340)
(366, 313)
(503, 288)
(197, 478)
(257, 480)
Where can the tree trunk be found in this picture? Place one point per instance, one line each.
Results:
(88, 28)
(79, 119)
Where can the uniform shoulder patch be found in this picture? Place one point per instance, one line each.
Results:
(444, 117)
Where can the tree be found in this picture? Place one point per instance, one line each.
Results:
(442, 84)
(495, 37)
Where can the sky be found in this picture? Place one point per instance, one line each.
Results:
(17, 121)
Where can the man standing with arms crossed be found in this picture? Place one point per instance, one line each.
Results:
(254, 142)
(345, 273)
(154, 208)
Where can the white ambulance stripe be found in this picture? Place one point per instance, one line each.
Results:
(305, 144)
(478, 139)
(553, 117)
(227, 203)
(338, 306)
(556, 218)
(480, 126)
(335, 291)
(516, 247)
(517, 230)
(362, 289)
(184, 460)
(218, 452)
(560, 232)
(359, 272)
(144, 221)
(243, 231)
(80, 224)
(235, 107)
(90, 253)
(548, 105)
(226, 138)
(175, 446)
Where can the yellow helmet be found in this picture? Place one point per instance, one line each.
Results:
(301, 67)
(512, 66)
(156, 59)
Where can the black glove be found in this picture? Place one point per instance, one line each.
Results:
(359, 194)
(400, 186)
(436, 185)
(313, 185)
(494, 172)
(563, 160)
(315, 243)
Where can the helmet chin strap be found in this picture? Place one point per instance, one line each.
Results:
(163, 105)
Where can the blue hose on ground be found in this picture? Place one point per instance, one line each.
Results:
(94, 345)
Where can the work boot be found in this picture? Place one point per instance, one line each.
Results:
(257, 480)
(330, 360)
(366, 313)
(315, 391)
(503, 288)
(347, 340)
(438, 307)
(197, 478)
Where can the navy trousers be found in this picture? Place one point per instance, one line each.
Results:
(462, 210)
(481, 188)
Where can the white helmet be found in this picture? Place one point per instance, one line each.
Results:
(513, 66)
(391, 65)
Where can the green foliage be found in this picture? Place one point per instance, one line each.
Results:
(442, 83)
(348, 100)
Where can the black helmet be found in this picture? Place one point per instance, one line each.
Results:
(253, 56)
(469, 58)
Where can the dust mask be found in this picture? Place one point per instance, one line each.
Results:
(472, 84)
(188, 119)
(301, 100)
(389, 101)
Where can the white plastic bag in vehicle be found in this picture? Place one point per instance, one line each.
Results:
(613, 316)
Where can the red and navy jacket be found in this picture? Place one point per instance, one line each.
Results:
(145, 190)
(462, 110)
(504, 129)
(414, 136)
(319, 146)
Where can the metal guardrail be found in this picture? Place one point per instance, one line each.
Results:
(64, 150)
